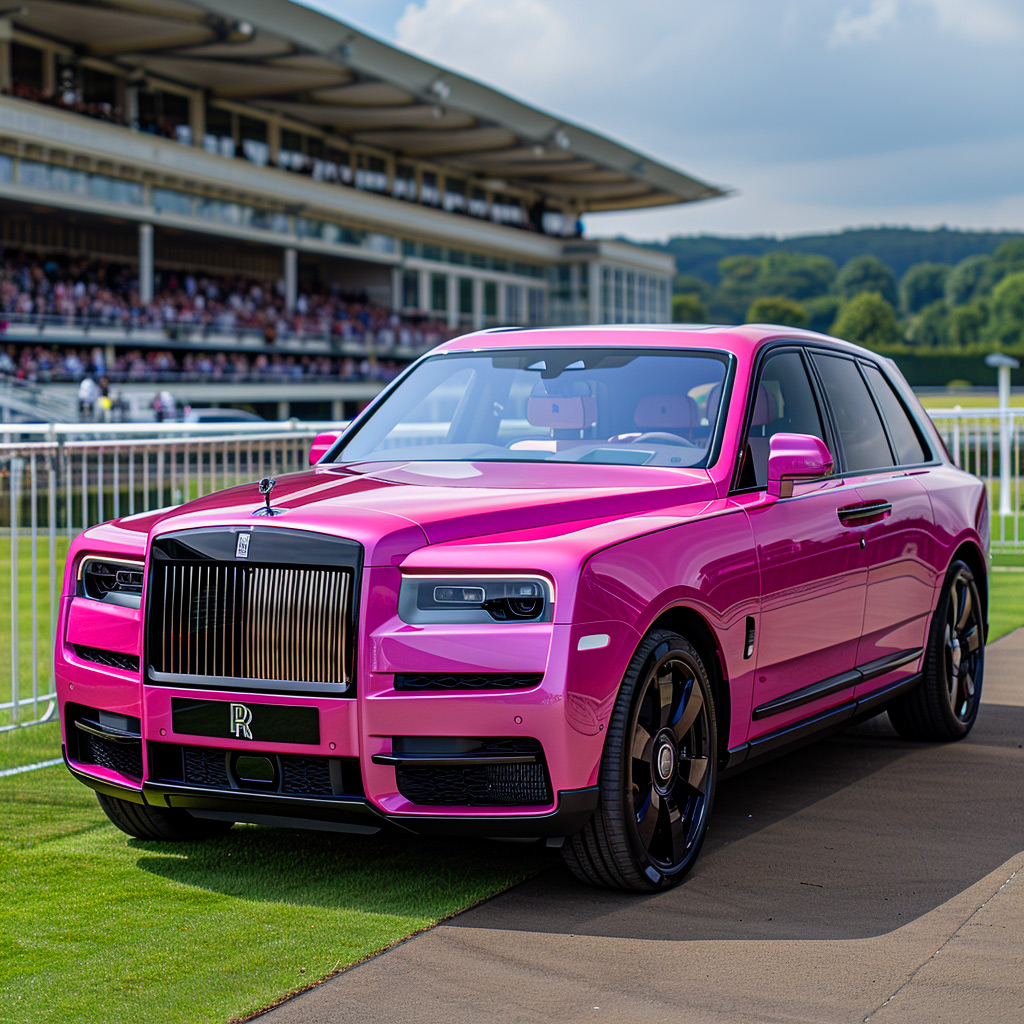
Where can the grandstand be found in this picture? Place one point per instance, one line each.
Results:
(256, 187)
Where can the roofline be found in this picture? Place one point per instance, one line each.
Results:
(351, 47)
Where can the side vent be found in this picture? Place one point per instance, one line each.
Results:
(748, 646)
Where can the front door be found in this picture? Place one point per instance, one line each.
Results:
(813, 569)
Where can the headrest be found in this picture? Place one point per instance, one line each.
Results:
(562, 405)
(711, 405)
(665, 412)
(764, 408)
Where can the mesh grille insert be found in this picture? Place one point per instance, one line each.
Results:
(479, 785)
(123, 758)
(112, 659)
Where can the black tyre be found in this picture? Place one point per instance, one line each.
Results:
(160, 823)
(658, 773)
(945, 704)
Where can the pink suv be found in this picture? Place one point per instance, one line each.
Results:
(551, 583)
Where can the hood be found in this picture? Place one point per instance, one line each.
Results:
(394, 508)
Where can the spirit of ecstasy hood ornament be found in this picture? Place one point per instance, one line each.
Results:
(266, 485)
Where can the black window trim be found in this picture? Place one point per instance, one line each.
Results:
(922, 437)
(773, 348)
(716, 442)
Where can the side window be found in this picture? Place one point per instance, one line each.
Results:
(784, 403)
(909, 448)
(856, 417)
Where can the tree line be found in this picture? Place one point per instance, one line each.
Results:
(974, 304)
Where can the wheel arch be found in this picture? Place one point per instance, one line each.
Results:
(689, 622)
(970, 553)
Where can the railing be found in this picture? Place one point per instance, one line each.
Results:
(75, 475)
(988, 443)
(82, 474)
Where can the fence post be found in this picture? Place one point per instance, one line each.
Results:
(1004, 364)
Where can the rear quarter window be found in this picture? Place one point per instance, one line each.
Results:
(910, 449)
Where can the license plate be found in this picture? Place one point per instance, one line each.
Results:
(238, 720)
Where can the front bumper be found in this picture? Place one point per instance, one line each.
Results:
(572, 810)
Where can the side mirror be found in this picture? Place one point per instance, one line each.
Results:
(793, 457)
(322, 443)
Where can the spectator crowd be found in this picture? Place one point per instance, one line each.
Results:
(83, 292)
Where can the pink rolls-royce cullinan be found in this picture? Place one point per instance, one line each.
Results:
(551, 583)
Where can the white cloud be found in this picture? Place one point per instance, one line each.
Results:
(861, 26)
(981, 20)
(899, 121)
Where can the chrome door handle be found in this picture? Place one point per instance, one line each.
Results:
(860, 515)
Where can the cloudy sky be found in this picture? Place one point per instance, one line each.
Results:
(821, 114)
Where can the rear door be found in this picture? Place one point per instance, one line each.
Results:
(884, 457)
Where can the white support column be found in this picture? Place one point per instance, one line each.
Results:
(5, 53)
(478, 303)
(502, 310)
(425, 297)
(197, 118)
(453, 300)
(337, 410)
(49, 72)
(594, 297)
(291, 278)
(145, 263)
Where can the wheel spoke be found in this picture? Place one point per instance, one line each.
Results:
(966, 606)
(968, 684)
(689, 710)
(971, 640)
(693, 772)
(677, 831)
(666, 689)
(647, 818)
(642, 741)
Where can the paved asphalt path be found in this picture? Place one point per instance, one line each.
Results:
(864, 878)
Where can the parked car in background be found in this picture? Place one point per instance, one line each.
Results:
(551, 583)
(219, 415)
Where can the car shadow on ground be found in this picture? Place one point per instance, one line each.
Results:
(851, 837)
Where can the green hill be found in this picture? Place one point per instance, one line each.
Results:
(898, 248)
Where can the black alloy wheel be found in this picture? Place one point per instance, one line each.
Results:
(945, 704)
(658, 773)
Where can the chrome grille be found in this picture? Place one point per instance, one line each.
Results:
(251, 622)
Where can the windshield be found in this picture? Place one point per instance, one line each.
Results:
(611, 406)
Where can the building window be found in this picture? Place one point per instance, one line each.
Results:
(514, 304)
(466, 296)
(439, 293)
(490, 299)
(410, 289)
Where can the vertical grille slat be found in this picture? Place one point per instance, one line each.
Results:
(224, 620)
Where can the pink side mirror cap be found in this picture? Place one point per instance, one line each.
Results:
(322, 444)
(793, 457)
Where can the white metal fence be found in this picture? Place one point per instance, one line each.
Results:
(76, 475)
(987, 442)
(72, 476)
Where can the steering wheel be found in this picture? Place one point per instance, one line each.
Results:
(662, 437)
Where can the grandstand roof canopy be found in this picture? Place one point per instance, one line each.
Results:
(286, 58)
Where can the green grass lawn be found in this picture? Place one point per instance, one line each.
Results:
(95, 926)
(968, 401)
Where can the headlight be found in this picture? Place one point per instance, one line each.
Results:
(474, 599)
(114, 580)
